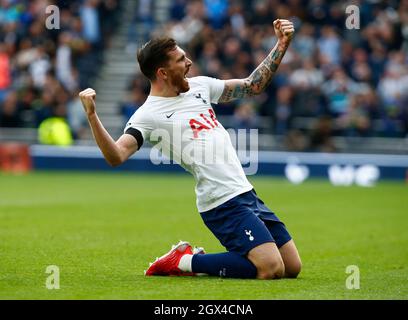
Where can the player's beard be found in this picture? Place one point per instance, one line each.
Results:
(180, 83)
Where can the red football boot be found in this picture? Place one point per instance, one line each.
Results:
(167, 265)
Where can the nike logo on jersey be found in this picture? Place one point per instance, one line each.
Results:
(198, 96)
(169, 116)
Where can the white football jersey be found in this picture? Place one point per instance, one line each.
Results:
(186, 130)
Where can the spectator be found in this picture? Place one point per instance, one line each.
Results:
(283, 110)
(5, 76)
(216, 12)
(10, 115)
(355, 121)
(245, 116)
(64, 68)
(339, 91)
(321, 136)
(188, 28)
(393, 86)
(39, 67)
(135, 99)
(308, 100)
(296, 141)
(177, 10)
(329, 45)
(76, 117)
(308, 77)
(305, 43)
(90, 21)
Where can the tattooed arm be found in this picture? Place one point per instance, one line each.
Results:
(262, 76)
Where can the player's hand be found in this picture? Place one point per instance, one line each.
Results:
(88, 100)
(284, 30)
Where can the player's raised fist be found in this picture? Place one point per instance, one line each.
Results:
(88, 100)
(284, 30)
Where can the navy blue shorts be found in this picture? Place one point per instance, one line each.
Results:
(245, 222)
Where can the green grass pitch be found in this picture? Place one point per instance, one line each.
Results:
(102, 230)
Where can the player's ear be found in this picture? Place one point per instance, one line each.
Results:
(161, 73)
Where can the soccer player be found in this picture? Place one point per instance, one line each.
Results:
(257, 242)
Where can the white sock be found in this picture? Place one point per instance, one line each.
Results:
(185, 263)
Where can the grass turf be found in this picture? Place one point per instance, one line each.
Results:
(101, 230)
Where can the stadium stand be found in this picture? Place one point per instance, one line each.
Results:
(336, 87)
(42, 69)
(337, 90)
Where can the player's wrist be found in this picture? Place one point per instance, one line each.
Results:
(91, 115)
(283, 43)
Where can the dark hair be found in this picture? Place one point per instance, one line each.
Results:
(154, 55)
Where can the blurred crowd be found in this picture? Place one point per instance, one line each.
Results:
(42, 67)
(332, 81)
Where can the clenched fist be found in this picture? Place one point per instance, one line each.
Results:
(88, 100)
(284, 30)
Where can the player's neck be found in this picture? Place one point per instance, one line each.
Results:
(162, 90)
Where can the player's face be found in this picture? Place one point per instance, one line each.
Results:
(178, 68)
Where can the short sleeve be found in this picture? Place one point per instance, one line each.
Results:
(215, 86)
(142, 122)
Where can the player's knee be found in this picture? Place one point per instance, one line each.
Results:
(293, 270)
(273, 269)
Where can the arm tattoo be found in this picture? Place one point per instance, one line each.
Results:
(258, 80)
